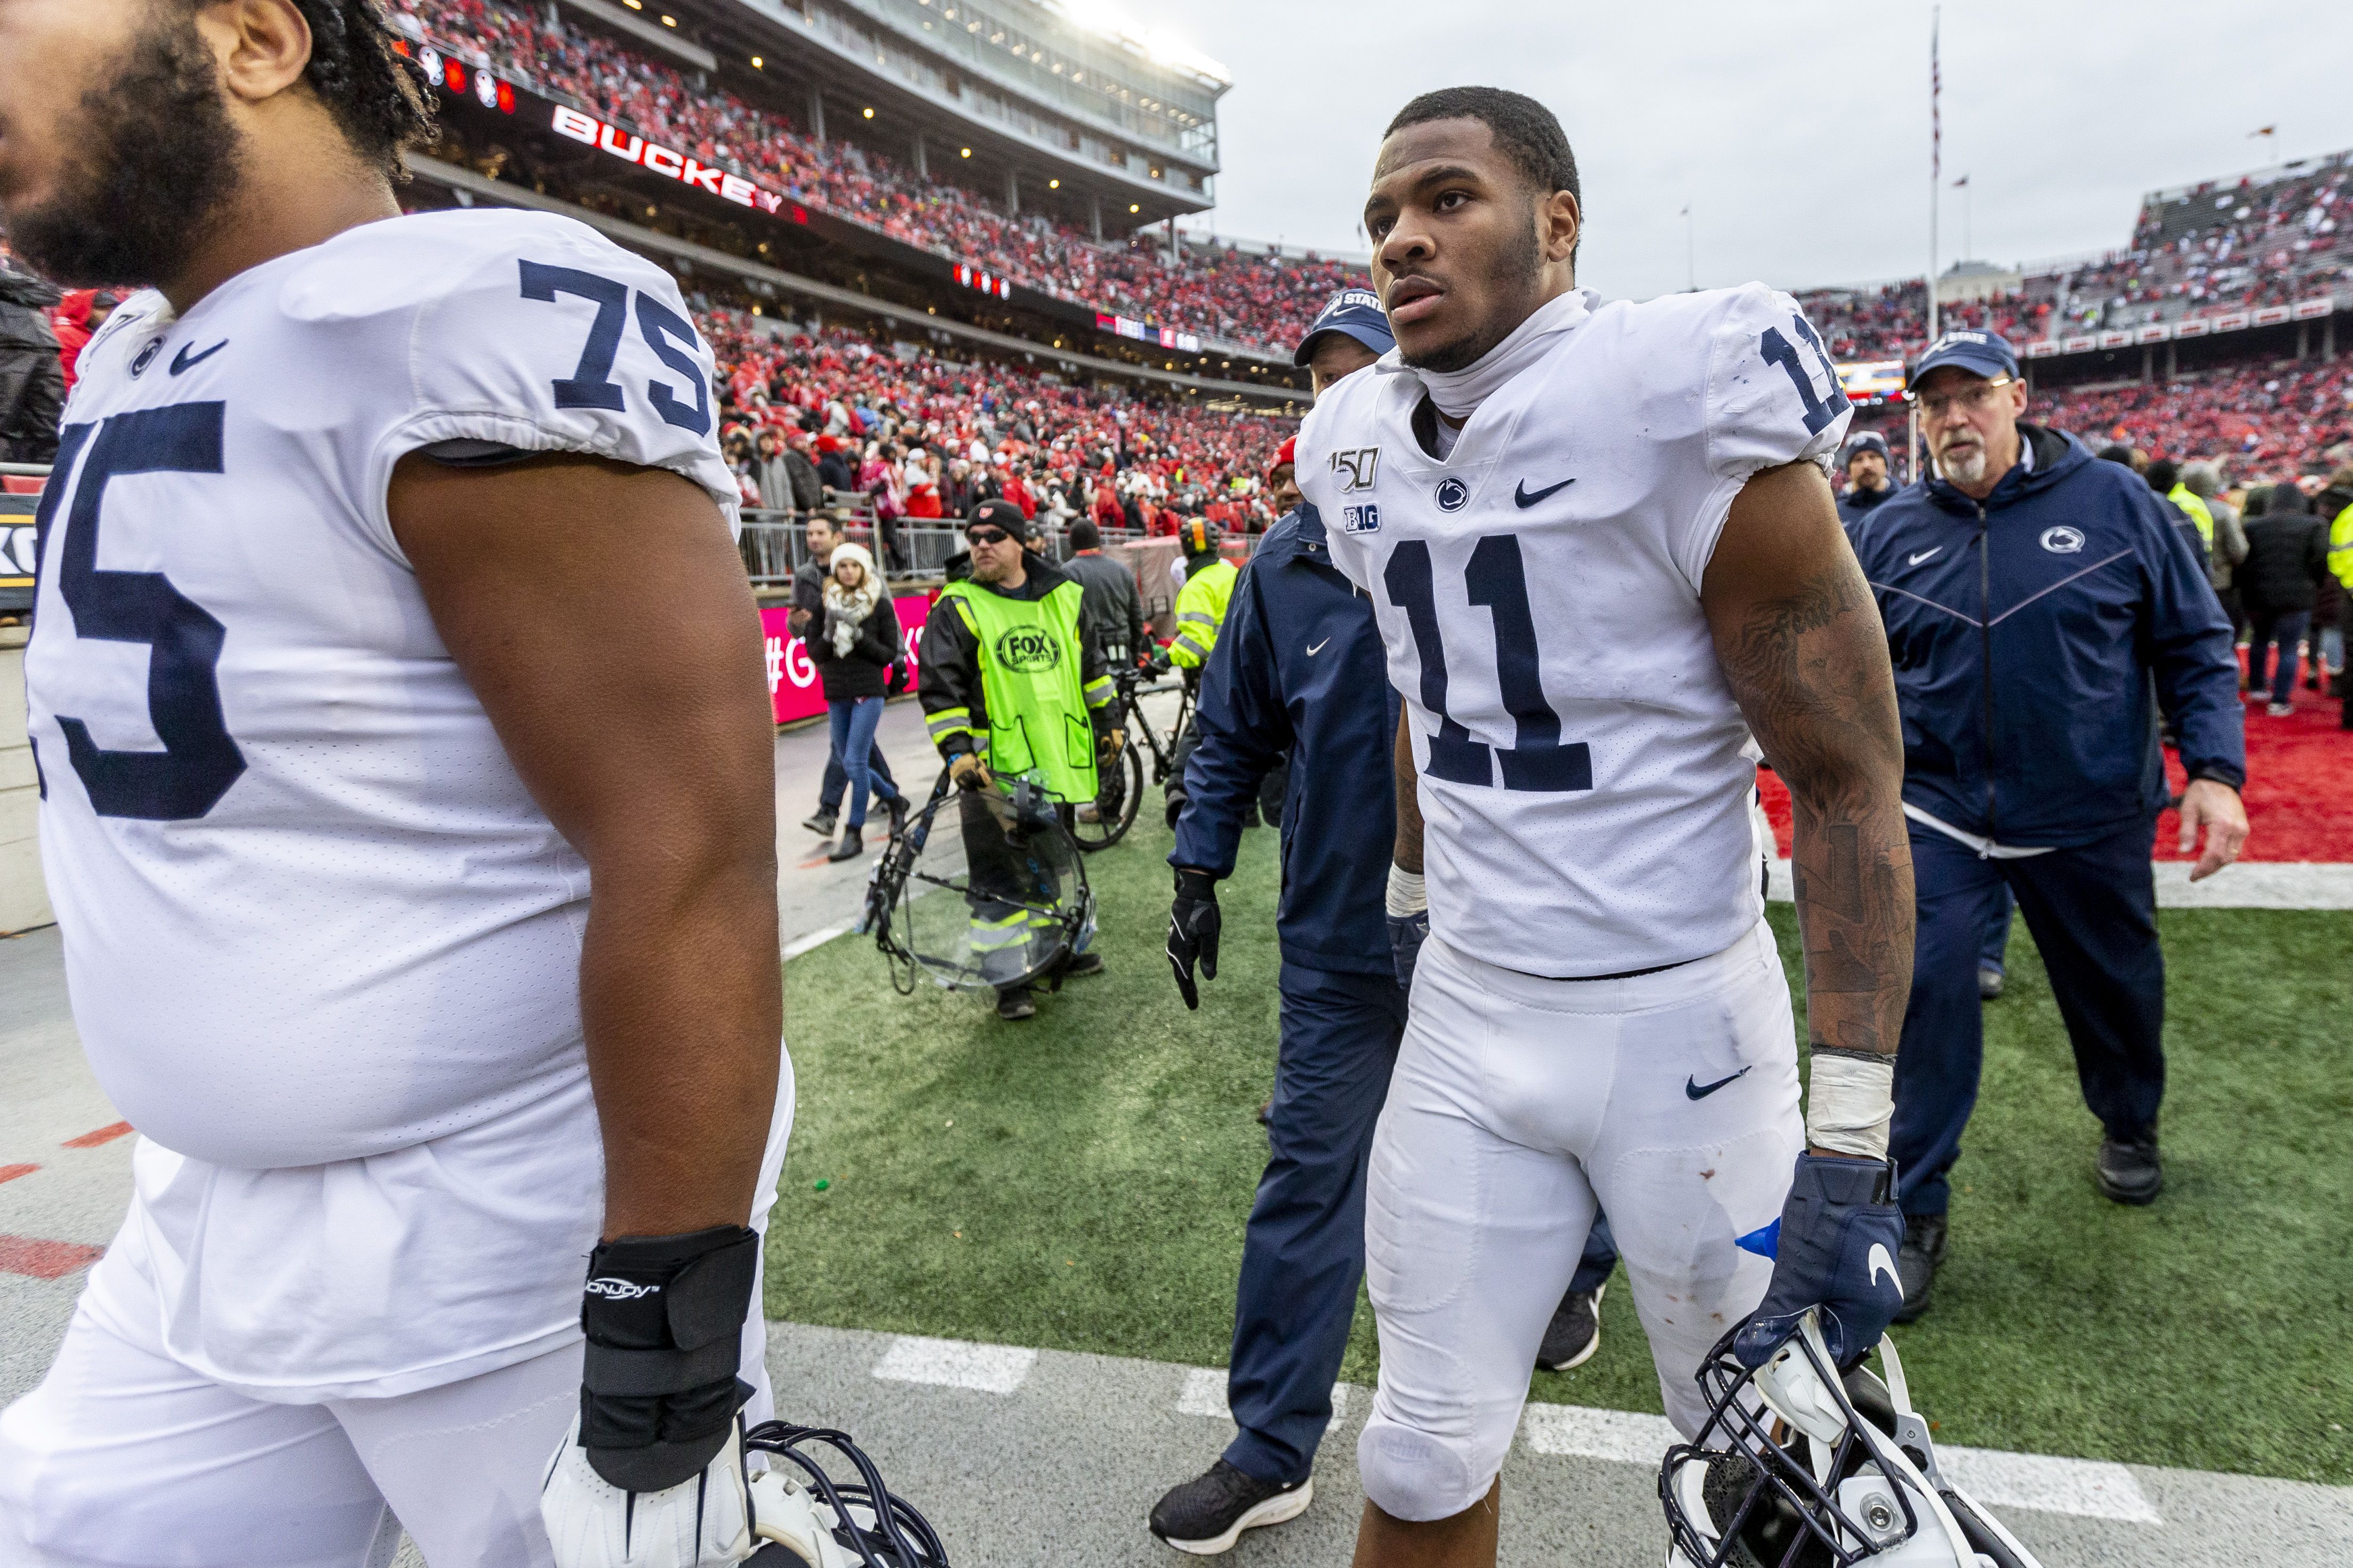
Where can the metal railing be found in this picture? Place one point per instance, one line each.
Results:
(775, 545)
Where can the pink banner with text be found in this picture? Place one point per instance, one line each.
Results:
(794, 687)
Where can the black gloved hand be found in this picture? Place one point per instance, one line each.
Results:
(898, 680)
(1835, 1249)
(664, 1316)
(1406, 935)
(1193, 924)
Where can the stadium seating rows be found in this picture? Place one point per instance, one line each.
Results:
(865, 390)
(1266, 301)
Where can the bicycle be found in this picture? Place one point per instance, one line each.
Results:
(1104, 821)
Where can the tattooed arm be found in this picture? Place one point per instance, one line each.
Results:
(1805, 654)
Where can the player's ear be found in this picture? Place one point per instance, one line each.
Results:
(263, 45)
(1561, 223)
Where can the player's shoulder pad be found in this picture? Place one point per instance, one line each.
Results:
(1772, 393)
(524, 328)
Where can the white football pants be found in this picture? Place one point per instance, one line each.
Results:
(123, 1457)
(1520, 1105)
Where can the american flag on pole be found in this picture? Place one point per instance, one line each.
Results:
(1936, 98)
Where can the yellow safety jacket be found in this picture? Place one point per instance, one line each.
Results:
(2194, 504)
(1200, 612)
(2340, 548)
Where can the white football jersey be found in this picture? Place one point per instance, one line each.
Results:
(310, 911)
(1585, 772)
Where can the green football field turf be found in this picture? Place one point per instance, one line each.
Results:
(1080, 1182)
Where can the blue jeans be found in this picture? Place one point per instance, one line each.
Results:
(2286, 628)
(853, 721)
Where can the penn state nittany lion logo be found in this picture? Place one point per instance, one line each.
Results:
(1028, 650)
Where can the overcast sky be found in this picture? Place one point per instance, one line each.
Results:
(1796, 129)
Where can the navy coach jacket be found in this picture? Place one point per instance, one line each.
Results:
(1299, 668)
(2029, 634)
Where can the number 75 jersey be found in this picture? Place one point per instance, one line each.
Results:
(310, 911)
(1585, 774)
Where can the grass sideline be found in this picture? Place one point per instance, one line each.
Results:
(1081, 1182)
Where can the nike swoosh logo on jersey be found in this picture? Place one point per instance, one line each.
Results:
(1319, 648)
(183, 359)
(1524, 499)
(1696, 1089)
(1915, 560)
(1883, 1264)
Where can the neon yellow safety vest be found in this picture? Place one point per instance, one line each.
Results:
(2340, 548)
(2195, 505)
(1037, 723)
(1200, 612)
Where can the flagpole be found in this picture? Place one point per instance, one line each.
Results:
(1936, 175)
(1691, 252)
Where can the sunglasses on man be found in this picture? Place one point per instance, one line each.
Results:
(985, 536)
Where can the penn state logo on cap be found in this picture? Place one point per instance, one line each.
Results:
(1451, 495)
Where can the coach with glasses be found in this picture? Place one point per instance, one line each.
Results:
(2043, 608)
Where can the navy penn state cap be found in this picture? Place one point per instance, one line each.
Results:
(1971, 349)
(1356, 310)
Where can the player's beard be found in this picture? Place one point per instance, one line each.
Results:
(1521, 283)
(155, 164)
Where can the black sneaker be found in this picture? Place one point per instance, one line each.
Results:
(1916, 1261)
(820, 823)
(1015, 1004)
(1208, 1513)
(1575, 1331)
(1989, 981)
(1081, 964)
(2130, 1172)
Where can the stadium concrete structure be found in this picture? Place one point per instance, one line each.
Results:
(1042, 110)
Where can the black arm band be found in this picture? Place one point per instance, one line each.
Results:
(664, 1318)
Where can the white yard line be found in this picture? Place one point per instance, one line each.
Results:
(2087, 1488)
(1204, 1394)
(2249, 885)
(954, 1363)
(816, 939)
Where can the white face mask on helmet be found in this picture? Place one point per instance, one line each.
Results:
(1798, 1468)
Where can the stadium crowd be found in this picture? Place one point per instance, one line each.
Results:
(1227, 293)
(917, 436)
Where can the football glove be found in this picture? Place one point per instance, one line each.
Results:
(1193, 925)
(705, 1519)
(968, 771)
(1834, 1247)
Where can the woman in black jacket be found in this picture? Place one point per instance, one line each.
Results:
(2287, 553)
(860, 658)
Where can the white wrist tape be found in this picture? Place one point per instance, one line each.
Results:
(1849, 1103)
(1406, 895)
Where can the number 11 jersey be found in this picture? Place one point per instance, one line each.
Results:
(310, 911)
(1585, 773)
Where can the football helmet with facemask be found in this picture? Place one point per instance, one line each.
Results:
(803, 1518)
(1800, 1467)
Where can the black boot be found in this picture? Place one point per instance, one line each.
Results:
(851, 846)
(1916, 1261)
(2130, 1172)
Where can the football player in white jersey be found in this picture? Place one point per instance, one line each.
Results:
(1603, 554)
(408, 806)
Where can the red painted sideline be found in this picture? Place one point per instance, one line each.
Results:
(2297, 806)
(45, 1259)
(103, 1135)
(10, 1172)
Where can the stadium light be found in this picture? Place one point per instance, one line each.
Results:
(964, 152)
(758, 64)
(670, 21)
(1053, 184)
(868, 113)
(1134, 208)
